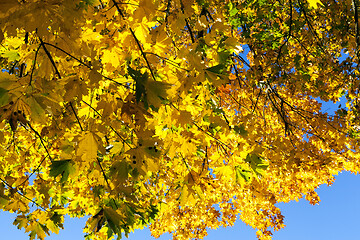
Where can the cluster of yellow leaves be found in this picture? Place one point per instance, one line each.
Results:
(151, 112)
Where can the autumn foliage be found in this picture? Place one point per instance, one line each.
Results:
(180, 115)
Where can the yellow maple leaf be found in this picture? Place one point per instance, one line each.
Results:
(89, 145)
(314, 3)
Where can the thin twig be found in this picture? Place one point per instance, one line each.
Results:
(103, 172)
(190, 31)
(173, 63)
(77, 118)
(50, 57)
(81, 62)
(288, 35)
(118, 8)
(257, 99)
(34, 64)
(314, 33)
(41, 140)
(124, 141)
(21, 194)
(217, 140)
(86, 65)
(187, 167)
(143, 53)
(35, 170)
(136, 40)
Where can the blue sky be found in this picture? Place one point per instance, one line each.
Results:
(337, 217)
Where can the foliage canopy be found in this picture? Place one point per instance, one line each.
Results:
(180, 114)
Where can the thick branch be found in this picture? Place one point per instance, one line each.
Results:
(357, 28)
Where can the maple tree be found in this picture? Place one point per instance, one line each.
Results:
(179, 115)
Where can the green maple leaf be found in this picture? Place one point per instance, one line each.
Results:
(217, 69)
(4, 97)
(63, 168)
(257, 164)
(242, 174)
(11, 55)
(140, 81)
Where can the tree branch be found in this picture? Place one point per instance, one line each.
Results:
(21, 194)
(143, 53)
(34, 64)
(77, 118)
(50, 57)
(357, 29)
